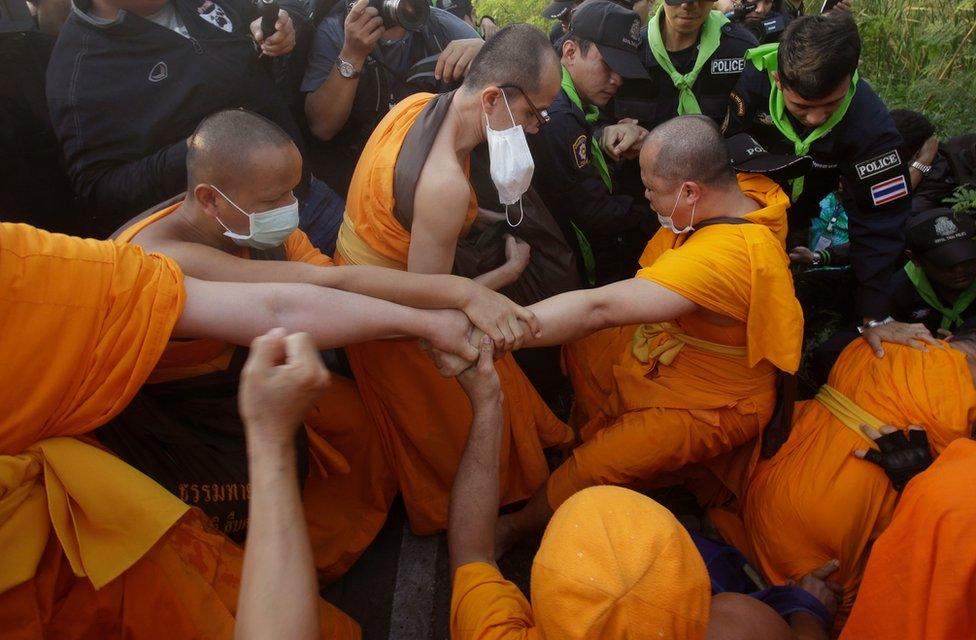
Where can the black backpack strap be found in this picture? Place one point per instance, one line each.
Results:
(721, 220)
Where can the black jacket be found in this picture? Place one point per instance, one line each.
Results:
(656, 101)
(124, 97)
(570, 185)
(861, 153)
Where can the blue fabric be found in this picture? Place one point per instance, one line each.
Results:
(320, 215)
(726, 565)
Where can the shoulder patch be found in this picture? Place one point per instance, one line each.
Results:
(878, 164)
(889, 191)
(580, 152)
(740, 104)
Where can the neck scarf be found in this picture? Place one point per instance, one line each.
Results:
(950, 315)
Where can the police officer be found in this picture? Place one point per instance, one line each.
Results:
(938, 286)
(572, 174)
(360, 65)
(561, 11)
(821, 108)
(693, 56)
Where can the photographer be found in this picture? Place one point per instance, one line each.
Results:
(359, 67)
(766, 19)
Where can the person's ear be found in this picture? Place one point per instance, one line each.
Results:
(779, 85)
(692, 192)
(490, 97)
(206, 197)
(569, 51)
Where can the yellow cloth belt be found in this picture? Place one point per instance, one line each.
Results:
(666, 352)
(355, 250)
(105, 513)
(850, 414)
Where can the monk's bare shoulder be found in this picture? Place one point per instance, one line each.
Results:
(443, 190)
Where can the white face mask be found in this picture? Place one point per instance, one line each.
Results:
(511, 162)
(668, 221)
(268, 229)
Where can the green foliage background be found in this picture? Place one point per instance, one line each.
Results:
(918, 54)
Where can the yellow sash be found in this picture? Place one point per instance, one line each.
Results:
(850, 414)
(355, 250)
(106, 514)
(666, 352)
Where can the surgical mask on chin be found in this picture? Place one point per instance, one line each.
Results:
(511, 163)
(668, 221)
(268, 229)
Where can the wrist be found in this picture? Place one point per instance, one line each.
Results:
(267, 444)
(355, 59)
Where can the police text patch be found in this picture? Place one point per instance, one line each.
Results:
(874, 166)
(727, 65)
(889, 190)
(579, 152)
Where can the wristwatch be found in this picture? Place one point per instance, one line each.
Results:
(871, 324)
(346, 69)
(921, 168)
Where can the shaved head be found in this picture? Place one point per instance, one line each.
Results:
(519, 55)
(688, 149)
(224, 146)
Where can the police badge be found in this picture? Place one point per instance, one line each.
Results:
(580, 153)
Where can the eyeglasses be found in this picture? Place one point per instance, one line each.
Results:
(541, 115)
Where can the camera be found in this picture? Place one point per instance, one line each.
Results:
(739, 13)
(409, 14)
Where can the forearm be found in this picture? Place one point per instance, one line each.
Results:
(279, 589)
(239, 312)
(328, 107)
(421, 291)
(474, 496)
(497, 278)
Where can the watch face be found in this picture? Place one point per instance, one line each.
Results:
(346, 70)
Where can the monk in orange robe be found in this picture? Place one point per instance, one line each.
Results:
(350, 486)
(698, 379)
(920, 581)
(423, 418)
(111, 554)
(612, 563)
(814, 501)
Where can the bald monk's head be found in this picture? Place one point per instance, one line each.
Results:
(237, 157)
(685, 168)
(520, 63)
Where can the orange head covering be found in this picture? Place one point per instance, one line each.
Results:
(615, 564)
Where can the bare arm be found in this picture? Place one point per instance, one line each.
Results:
(576, 314)
(327, 108)
(440, 208)
(491, 312)
(239, 312)
(283, 376)
(474, 496)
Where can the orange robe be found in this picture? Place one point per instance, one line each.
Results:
(350, 487)
(813, 501)
(920, 582)
(424, 418)
(653, 399)
(108, 554)
(612, 564)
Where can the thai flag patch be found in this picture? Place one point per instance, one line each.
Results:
(885, 192)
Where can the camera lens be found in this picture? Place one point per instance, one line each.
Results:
(409, 14)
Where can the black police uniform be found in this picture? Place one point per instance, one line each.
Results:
(654, 102)
(861, 153)
(570, 185)
(907, 305)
